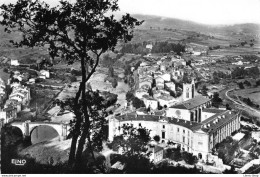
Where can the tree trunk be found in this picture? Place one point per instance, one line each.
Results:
(76, 132)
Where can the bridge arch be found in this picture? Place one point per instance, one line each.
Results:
(28, 127)
(42, 133)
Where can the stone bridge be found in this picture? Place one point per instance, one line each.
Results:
(27, 128)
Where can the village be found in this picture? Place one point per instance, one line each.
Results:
(85, 89)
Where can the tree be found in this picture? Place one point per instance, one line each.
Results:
(240, 85)
(216, 100)
(110, 71)
(247, 83)
(114, 83)
(72, 31)
(251, 44)
(137, 103)
(133, 143)
(204, 90)
(156, 138)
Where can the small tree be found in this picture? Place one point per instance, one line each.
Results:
(114, 83)
(110, 71)
(156, 138)
(240, 85)
(133, 143)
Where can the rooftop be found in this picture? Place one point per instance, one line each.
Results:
(156, 118)
(221, 120)
(192, 103)
(213, 110)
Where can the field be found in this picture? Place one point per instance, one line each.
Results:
(3, 75)
(252, 93)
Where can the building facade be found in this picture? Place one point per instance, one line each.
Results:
(198, 138)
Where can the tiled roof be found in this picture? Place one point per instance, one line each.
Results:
(192, 103)
(212, 110)
(221, 121)
(155, 118)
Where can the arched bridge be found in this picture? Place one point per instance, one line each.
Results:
(27, 128)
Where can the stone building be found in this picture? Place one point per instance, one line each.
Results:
(198, 138)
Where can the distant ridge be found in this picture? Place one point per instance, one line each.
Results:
(173, 23)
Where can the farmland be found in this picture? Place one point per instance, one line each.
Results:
(252, 93)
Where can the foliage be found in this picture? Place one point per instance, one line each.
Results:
(111, 72)
(114, 83)
(226, 149)
(138, 48)
(133, 143)
(241, 72)
(189, 158)
(137, 103)
(216, 101)
(156, 138)
(72, 31)
(241, 85)
(166, 168)
(247, 83)
(165, 47)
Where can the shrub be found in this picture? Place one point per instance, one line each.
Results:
(156, 138)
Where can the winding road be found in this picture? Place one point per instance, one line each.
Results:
(243, 105)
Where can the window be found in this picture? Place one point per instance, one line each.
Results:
(183, 131)
(178, 129)
(188, 133)
(163, 126)
(163, 135)
(183, 139)
(140, 124)
(200, 143)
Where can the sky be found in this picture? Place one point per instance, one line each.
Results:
(213, 12)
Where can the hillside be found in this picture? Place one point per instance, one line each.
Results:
(157, 28)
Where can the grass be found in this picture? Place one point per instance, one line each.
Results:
(3, 75)
(252, 93)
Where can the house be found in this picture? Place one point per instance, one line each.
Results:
(149, 46)
(240, 63)
(170, 86)
(166, 101)
(45, 73)
(145, 84)
(14, 62)
(150, 102)
(8, 114)
(159, 82)
(196, 53)
(140, 93)
(166, 77)
(156, 153)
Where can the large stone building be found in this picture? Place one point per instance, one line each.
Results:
(191, 109)
(198, 138)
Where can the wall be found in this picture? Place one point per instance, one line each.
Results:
(185, 114)
(193, 142)
(201, 144)
(206, 115)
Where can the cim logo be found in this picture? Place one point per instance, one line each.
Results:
(19, 162)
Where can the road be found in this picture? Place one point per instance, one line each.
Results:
(243, 105)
